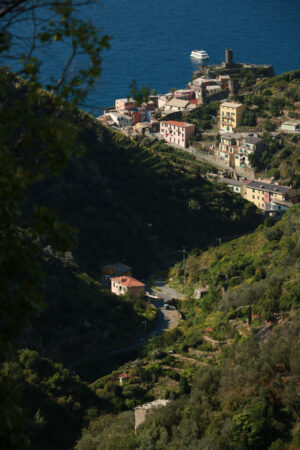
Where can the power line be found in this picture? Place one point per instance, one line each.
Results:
(167, 254)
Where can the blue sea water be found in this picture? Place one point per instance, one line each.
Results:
(152, 40)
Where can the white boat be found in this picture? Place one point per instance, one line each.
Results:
(199, 54)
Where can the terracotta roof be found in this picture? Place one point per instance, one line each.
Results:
(178, 124)
(128, 281)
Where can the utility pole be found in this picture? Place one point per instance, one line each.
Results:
(220, 240)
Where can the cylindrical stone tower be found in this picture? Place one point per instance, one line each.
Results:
(229, 56)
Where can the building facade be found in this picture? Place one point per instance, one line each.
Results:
(291, 126)
(261, 193)
(231, 115)
(235, 149)
(177, 133)
(126, 284)
(125, 103)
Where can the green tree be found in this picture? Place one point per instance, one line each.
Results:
(36, 138)
(276, 105)
(269, 125)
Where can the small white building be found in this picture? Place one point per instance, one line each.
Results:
(277, 207)
(163, 99)
(176, 104)
(233, 185)
(121, 119)
(291, 126)
(213, 89)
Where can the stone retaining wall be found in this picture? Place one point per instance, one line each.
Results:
(219, 163)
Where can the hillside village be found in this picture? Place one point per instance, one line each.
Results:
(234, 146)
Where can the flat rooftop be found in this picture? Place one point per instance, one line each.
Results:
(231, 104)
(268, 187)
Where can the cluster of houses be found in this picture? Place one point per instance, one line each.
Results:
(272, 198)
(133, 119)
(234, 149)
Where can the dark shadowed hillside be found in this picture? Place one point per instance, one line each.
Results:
(131, 204)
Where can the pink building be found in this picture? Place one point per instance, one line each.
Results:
(125, 103)
(122, 285)
(185, 94)
(177, 133)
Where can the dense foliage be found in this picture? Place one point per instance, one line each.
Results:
(52, 404)
(80, 318)
(269, 102)
(231, 368)
(130, 203)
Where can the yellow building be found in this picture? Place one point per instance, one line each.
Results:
(261, 194)
(230, 115)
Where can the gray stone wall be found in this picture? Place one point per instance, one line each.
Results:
(241, 171)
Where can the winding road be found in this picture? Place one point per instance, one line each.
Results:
(166, 319)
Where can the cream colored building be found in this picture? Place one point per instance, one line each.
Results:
(122, 285)
(231, 115)
(261, 193)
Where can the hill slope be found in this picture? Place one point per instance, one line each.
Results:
(231, 368)
(131, 204)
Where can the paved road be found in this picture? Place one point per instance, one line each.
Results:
(166, 319)
(165, 291)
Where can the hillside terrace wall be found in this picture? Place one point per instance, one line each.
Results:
(241, 171)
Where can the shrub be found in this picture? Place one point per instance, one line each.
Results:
(272, 234)
(269, 126)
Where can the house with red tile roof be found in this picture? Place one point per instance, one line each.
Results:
(177, 133)
(123, 377)
(122, 285)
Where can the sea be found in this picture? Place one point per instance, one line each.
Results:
(152, 40)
